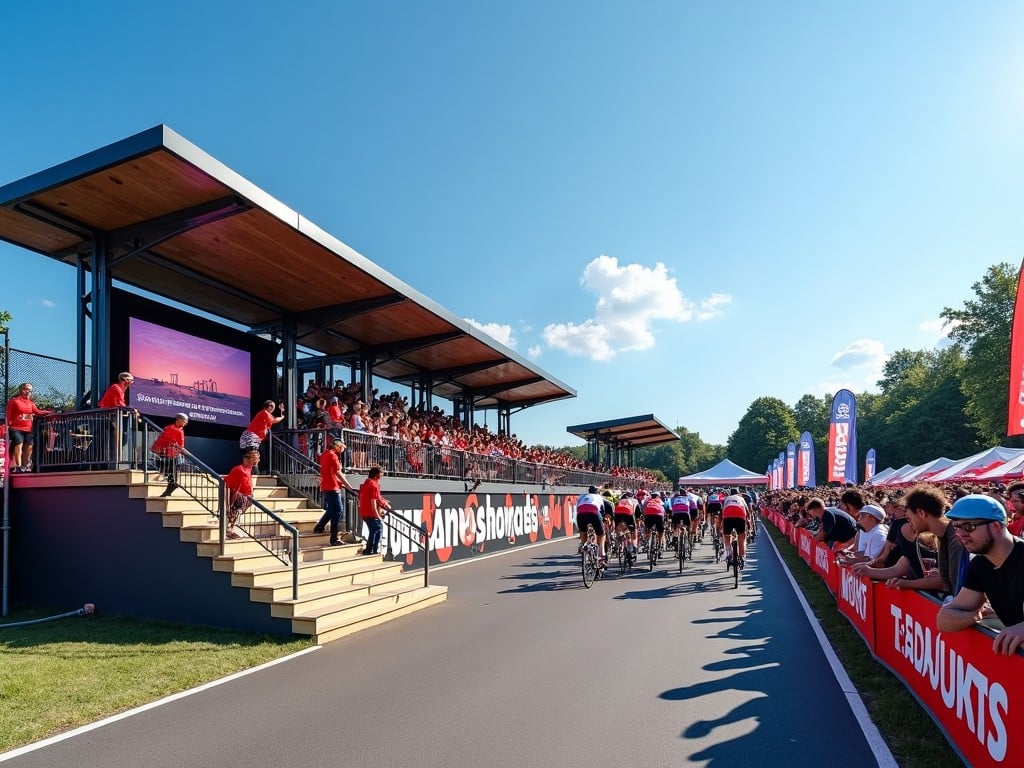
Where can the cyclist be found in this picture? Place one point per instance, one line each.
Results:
(713, 509)
(590, 511)
(696, 512)
(607, 514)
(735, 514)
(680, 506)
(626, 511)
(654, 516)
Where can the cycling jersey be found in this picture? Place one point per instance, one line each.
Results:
(654, 507)
(627, 507)
(694, 503)
(680, 503)
(734, 507)
(590, 503)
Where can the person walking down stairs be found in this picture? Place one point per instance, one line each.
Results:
(168, 449)
(371, 504)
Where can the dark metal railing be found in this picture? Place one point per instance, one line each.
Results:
(107, 438)
(411, 459)
(416, 534)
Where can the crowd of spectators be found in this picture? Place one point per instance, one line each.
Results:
(959, 543)
(323, 406)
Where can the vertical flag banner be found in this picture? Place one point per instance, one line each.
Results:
(771, 478)
(775, 473)
(869, 465)
(1015, 415)
(806, 476)
(842, 438)
(782, 469)
(791, 465)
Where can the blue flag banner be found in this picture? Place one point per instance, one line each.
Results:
(806, 475)
(791, 465)
(842, 438)
(869, 465)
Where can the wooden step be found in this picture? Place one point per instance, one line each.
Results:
(341, 596)
(328, 625)
(281, 588)
(359, 570)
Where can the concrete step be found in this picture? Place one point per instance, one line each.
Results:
(328, 625)
(338, 597)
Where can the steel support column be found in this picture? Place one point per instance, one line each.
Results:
(289, 373)
(102, 286)
(80, 331)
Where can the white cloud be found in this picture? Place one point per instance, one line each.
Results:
(502, 333)
(630, 298)
(48, 303)
(862, 353)
(534, 351)
(937, 331)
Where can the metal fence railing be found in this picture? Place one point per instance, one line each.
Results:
(107, 438)
(404, 459)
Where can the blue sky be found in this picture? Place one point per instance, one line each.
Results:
(673, 207)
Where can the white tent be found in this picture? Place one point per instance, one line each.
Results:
(878, 477)
(724, 472)
(1008, 470)
(894, 478)
(962, 468)
(922, 471)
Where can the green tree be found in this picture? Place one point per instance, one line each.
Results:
(765, 429)
(981, 331)
(5, 320)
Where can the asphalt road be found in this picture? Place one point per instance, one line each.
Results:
(524, 667)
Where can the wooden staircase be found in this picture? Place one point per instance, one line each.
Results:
(339, 590)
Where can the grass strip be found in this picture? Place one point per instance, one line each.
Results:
(59, 675)
(913, 737)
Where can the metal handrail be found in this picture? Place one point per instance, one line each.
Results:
(103, 438)
(192, 475)
(401, 458)
(421, 541)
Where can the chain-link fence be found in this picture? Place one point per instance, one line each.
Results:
(53, 379)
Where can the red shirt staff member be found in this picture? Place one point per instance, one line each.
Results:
(332, 480)
(259, 427)
(21, 413)
(370, 505)
(239, 485)
(116, 394)
(168, 447)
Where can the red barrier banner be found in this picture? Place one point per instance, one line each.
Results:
(825, 566)
(794, 535)
(805, 544)
(856, 601)
(967, 688)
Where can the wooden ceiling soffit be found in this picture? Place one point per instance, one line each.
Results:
(322, 317)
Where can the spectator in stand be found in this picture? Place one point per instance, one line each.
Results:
(996, 572)
(168, 448)
(259, 427)
(1015, 494)
(926, 512)
(835, 526)
(239, 485)
(370, 505)
(21, 413)
(116, 396)
(332, 481)
(336, 412)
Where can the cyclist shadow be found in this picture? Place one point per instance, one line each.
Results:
(561, 573)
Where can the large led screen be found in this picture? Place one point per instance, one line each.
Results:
(176, 372)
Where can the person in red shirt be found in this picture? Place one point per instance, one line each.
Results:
(370, 505)
(332, 480)
(1015, 494)
(259, 427)
(21, 412)
(117, 393)
(239, 485)
(168, 447)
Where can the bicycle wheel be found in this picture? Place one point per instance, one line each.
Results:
(589, 566)
(620, 552)
(652, 542)
(735, 565)
(681, 549)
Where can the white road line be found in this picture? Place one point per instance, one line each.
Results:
(860, 712)
(152, 705)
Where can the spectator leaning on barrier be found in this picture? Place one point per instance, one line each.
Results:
(996, 572)
(872, 536)
(836, 527)
(926, 508)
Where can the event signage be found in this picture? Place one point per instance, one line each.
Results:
(806, 544)
(824, 565)
(842, 438)
(1015, 416)
(869, 465)
(856, 600)
(461, 525)
(968, 689)
(791, 465)
(805, 478)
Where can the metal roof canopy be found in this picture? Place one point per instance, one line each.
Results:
(170, 219)
(631, 432)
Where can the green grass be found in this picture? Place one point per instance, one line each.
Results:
(66, 673)
(912, 736)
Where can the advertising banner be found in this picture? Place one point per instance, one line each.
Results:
(1015, 416)
(806, 477)
(842, 438)
(855, 598)
(968, 689)
(791, 465)
(805, 544)
(869, 465)
(825, 566)
(464, 525)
